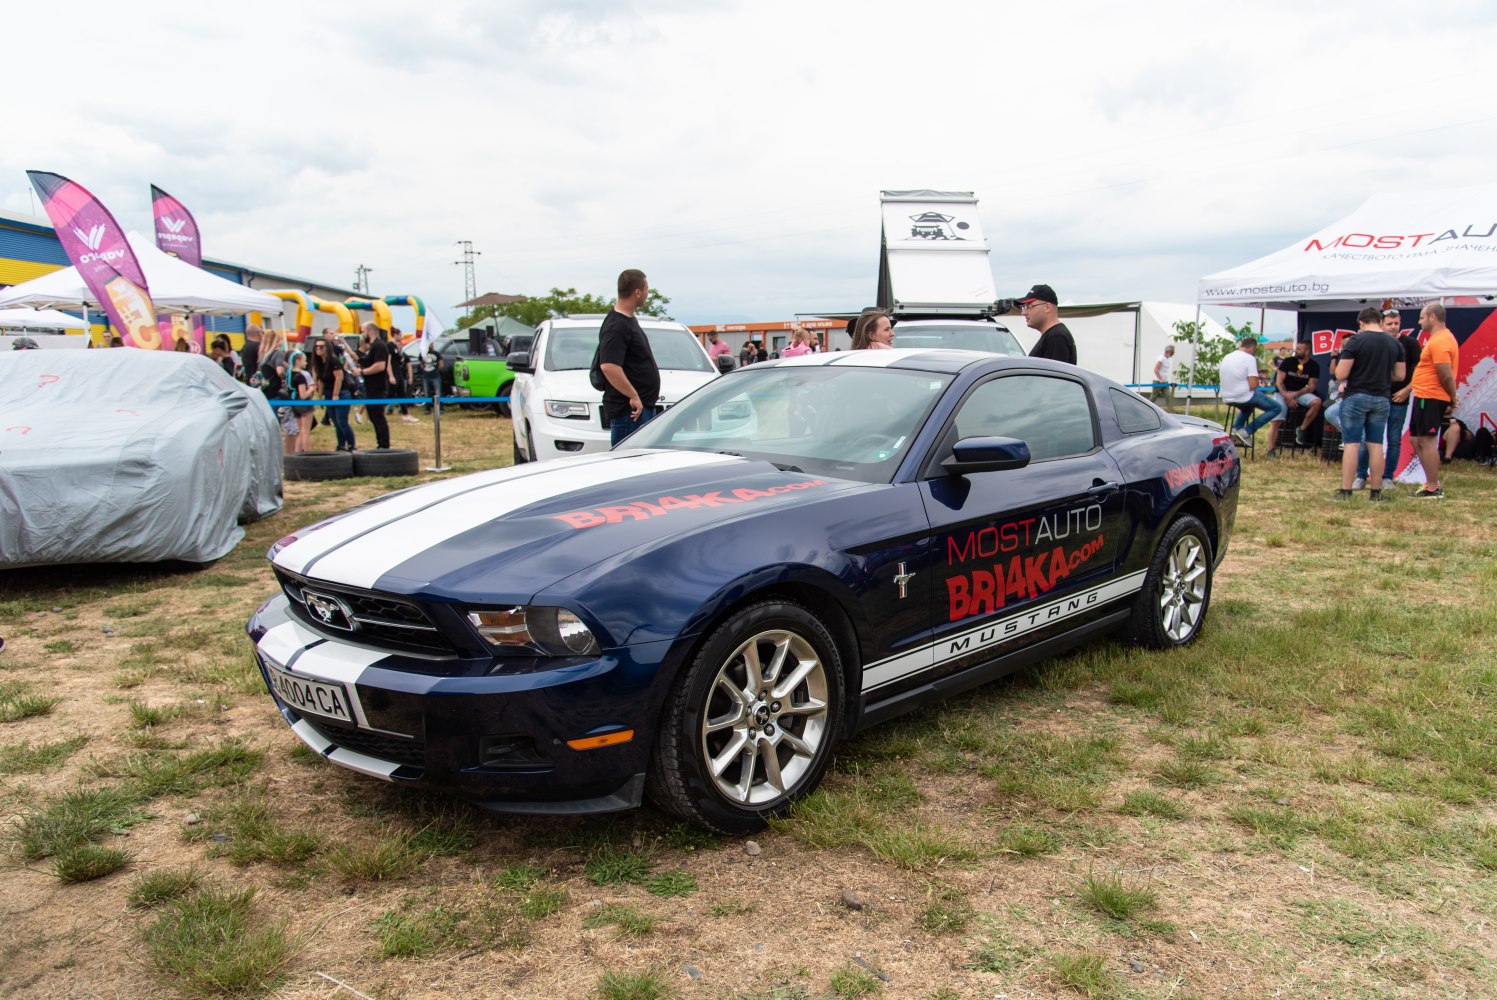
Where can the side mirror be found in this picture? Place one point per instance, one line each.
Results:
(986, 454)
(519, 361)
(726, 363)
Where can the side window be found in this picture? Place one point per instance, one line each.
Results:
(1052, 415)
(1134, 415)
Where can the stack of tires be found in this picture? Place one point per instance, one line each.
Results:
(319, 465)
(1330, 443)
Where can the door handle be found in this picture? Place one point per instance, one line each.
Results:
(1103, 489)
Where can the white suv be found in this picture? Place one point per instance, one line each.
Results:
(556, 411)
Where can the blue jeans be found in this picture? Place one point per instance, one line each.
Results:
(621, 427)
(1273, 409)
(1363, 417)
(338, 417)
(1394, 449)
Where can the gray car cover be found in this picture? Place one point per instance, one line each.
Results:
(126, 455)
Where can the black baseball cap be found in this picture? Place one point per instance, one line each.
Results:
(1041, 293)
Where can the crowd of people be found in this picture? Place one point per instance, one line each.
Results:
(326, 368)
(1381, 379)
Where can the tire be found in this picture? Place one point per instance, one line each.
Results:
(314, 466)
(718, 701)
(520, 458)
(386, 462)
(503, 408)
(1171, 609)
(530, 445)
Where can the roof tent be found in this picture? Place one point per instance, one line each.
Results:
(934, 256)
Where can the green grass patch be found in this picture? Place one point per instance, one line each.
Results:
(732, 908)
(214, 941)
(613, 866)
(1027, 840)
(629, 921)
(86, 862)
(1187, 773)
(23, 758)
(1153, 804)
(17, 703)
(155, 888)
(947, 911)
(851, 812)
(155, 774)
(64, 647)
(247, 829)
(542, 902)
(651, 984)
(78, 818)
(390, 856)
(1112, 896)
(520, 878)
(854, 982)
(1086, 973)
(671, 884)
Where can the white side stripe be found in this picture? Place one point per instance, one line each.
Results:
(996, 631)
(361, 563)
(296, 556)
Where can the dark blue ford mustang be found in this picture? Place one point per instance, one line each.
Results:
(796, 551)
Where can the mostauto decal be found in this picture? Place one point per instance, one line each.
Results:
(1024, 575)
(643, 510)
(1187, 474)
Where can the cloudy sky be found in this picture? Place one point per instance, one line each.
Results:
(735, 150)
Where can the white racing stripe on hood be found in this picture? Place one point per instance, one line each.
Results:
(363, 561)
(300, 553)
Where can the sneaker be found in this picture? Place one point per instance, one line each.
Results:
(1359, 483)
(1299, 437)
(358, 417)
(1425, 493)
(1242, 438)
(1377, 496)
(1341, 495)
(410, 419)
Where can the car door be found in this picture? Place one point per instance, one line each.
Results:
(1023, 555)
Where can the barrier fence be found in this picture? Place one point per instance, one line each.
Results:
(436, 412)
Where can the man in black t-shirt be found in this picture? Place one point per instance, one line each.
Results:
(1298, 377)
(1039, 309)
(627, 363)
(374, 366)
(249, 355)
(1398, 406)
(1371, 361)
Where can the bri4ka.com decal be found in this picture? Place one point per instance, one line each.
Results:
(643, 510)
(1024, 566)
(1187, 474)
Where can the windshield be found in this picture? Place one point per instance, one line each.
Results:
(837, 421)
(969, 337)
(571, 348)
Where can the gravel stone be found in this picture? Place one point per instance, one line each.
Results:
(752, 848)
(853, 900)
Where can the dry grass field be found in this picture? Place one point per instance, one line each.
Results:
(1303, 804)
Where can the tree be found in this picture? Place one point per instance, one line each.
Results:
(560, 302)
(1205, 368)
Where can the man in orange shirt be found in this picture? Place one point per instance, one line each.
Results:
(1434, 396)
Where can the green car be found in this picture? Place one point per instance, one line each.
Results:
(489, 375)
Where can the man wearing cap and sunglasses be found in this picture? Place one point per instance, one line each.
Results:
(1039, 309)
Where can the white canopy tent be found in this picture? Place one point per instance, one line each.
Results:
(176, 287)
(49, 320)
(1410, 247)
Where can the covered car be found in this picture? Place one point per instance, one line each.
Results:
(797, 550)
(127, 455)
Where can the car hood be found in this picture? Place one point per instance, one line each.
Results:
(507, 534)
(573, 385)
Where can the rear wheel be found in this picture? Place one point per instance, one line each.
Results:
(1171, 609)
(752, 723)
(503, 408)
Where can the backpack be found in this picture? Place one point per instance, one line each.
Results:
(595, 373)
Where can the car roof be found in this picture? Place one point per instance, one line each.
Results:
(940, 359)
(593, 319)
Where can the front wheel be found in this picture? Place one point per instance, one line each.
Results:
(1171, 609)
(752, 723)
(503, 408)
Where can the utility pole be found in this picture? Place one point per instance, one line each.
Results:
(361, 279)
(470, 281)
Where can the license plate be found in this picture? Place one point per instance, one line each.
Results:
(306, 695)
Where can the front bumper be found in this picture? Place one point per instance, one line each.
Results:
(499, 739)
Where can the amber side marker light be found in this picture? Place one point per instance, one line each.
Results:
(606, 740)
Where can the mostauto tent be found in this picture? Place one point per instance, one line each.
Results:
(176, 287)
(1410, 247)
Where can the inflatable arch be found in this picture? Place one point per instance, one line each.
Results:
(377, 306)
(303, 311)
(417, 306)
(346, 322)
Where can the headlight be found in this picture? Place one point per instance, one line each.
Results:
(530, 630)
(563, 410)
